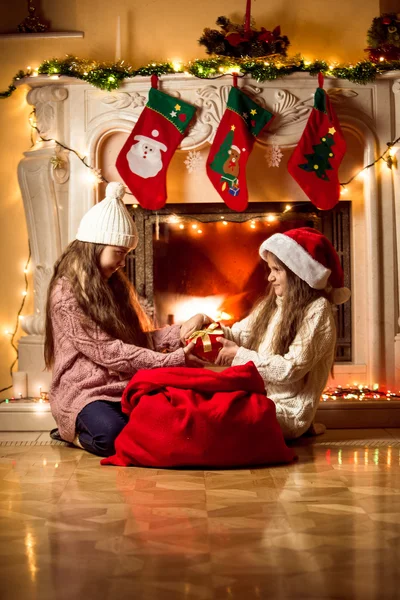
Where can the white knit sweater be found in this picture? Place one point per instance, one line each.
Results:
(296, 380)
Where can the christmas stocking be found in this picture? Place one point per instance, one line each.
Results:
(315, 161)
(241, 123)
(144, 159)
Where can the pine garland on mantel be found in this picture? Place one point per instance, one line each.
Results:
(109, 76)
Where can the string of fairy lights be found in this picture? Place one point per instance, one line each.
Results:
(13, 333)
(95, 177)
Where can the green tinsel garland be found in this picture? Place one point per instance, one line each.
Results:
(109, 76)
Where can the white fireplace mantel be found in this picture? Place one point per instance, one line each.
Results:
(83, 117)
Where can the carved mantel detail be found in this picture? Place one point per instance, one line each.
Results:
(45, 100)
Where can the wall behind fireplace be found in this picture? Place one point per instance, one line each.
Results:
(150, 30)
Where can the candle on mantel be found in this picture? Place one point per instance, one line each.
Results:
(118, 40)
(20, 384)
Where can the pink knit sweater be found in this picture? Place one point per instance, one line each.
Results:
(91, 365)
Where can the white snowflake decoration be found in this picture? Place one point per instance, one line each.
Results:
(273, 155)
(194, 161)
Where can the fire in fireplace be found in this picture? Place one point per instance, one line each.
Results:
(202, 258)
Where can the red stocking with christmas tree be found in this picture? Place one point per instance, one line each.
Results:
(242, 122)
(146, 154)
(315, 161)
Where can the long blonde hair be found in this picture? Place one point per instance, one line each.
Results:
(297, 298)
(113, 305)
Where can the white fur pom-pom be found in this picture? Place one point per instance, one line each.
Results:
(339, 295)
(115, 190)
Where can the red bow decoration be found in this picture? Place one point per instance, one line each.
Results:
(234, 38)
(269, 36)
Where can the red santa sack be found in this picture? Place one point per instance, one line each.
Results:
(197, 417)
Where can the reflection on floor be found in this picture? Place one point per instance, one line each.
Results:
(326, 527)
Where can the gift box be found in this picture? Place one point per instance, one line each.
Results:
(207, 347)
(233, 191)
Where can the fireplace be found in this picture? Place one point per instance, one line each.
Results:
(202, 258)
(96, 123)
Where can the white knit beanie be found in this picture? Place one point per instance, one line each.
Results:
(109, 221)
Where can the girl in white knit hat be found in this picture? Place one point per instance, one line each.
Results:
(97, 335)
(291, 334)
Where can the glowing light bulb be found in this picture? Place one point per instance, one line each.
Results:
(393, 150)
(135, 205)
(234, 69)
(288, 207)
(194, 226)
(271, 218)
(343, 191)
(252, 225)
(177, 65)
(222, 218)
(199, 231)
(225, 222)
(92, 178)
(26, 270)
(381, 59)
(24, 293)
(181, 226)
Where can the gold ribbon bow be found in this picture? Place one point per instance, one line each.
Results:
(204, 334)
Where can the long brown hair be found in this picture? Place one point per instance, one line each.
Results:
(297, 298)
(113, 304)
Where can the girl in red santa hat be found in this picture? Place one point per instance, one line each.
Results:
(97, 335)
(291, 335)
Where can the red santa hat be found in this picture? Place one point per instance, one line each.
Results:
(311, 256)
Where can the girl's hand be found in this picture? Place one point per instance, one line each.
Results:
(192, 360)
(193, 324)
(227, 352)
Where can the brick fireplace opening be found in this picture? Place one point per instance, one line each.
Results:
(202, 258)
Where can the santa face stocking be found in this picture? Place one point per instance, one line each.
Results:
(242, 122)
(315, 161)
(144, 159)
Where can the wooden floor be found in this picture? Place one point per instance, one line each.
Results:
(326, 527)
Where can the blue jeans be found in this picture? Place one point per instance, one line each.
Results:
(98, 424)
